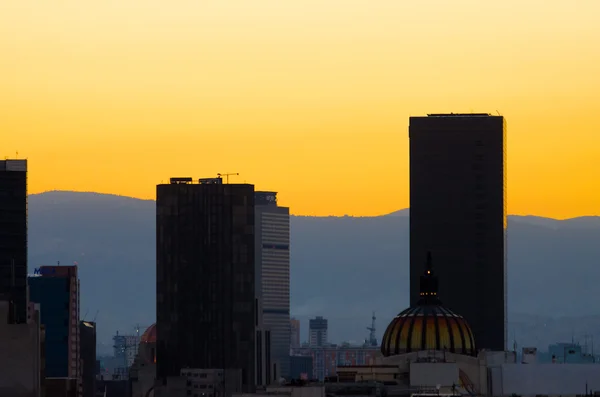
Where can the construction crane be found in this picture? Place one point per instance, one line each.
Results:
(137, 328)
(372, 337)
(227, 176)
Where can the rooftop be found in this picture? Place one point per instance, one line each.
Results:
(459, 115)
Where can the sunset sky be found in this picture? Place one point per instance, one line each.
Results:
(307, 97)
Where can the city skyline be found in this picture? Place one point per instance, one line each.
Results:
(323, 94)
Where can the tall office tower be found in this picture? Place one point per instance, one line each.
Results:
(272, 252)
(458, 212)
(205, 297)
(56, 289)
(317, 332)
(295, 333)
(13, 238)
(87, 349)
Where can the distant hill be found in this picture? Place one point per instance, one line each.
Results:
(342, 267)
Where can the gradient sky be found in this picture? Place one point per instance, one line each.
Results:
(310, 98)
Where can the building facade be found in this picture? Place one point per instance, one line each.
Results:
(295, 333)
(13, 238)
(265, 370)
(317, 332)
(57, 292)
(272, 251)
(21, 359)
(205, 277)
(325, 360)
(87, 349)
(125, 349)
(458, 212)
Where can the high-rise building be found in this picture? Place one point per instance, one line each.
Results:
(57, 292)
(124, 351)
(458, 212)
(87, 349)
(295, 333)
(13, 238)
(317, 332)
(272, 250)
(205, 295)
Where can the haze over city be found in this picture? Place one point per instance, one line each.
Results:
(309, 97)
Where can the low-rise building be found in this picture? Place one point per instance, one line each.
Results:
(201, 383)
(21, 365)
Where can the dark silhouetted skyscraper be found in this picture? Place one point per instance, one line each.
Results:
(13, 237)
(87, 352)
(205, 294)
(458, 212)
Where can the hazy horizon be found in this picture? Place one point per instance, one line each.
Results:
(297, 214)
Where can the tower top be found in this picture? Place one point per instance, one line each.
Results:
(429, 284)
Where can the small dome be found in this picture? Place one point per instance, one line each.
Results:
(149, 336)
(428, 325)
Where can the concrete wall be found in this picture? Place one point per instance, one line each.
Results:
(433, 374)
(19, 357)
(548, 379)
(143, 370)
(304, 391)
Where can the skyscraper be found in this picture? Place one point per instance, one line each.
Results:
(317, 332)
(273, 273)
(87, 349)
(458, 212)
(205, 295)
(57, 292)
(13, 238)
(295, 333)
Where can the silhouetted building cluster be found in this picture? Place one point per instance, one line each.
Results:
(41, 332)
(222, 282)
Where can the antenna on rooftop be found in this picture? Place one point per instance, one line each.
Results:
(372, 337)
(227, 176)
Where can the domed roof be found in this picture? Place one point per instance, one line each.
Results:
(428, 325)
(149, 336)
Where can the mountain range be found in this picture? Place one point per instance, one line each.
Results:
(342, 268)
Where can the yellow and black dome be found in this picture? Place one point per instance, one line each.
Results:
(428, 325)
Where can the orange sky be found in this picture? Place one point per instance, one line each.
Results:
(310, 98)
